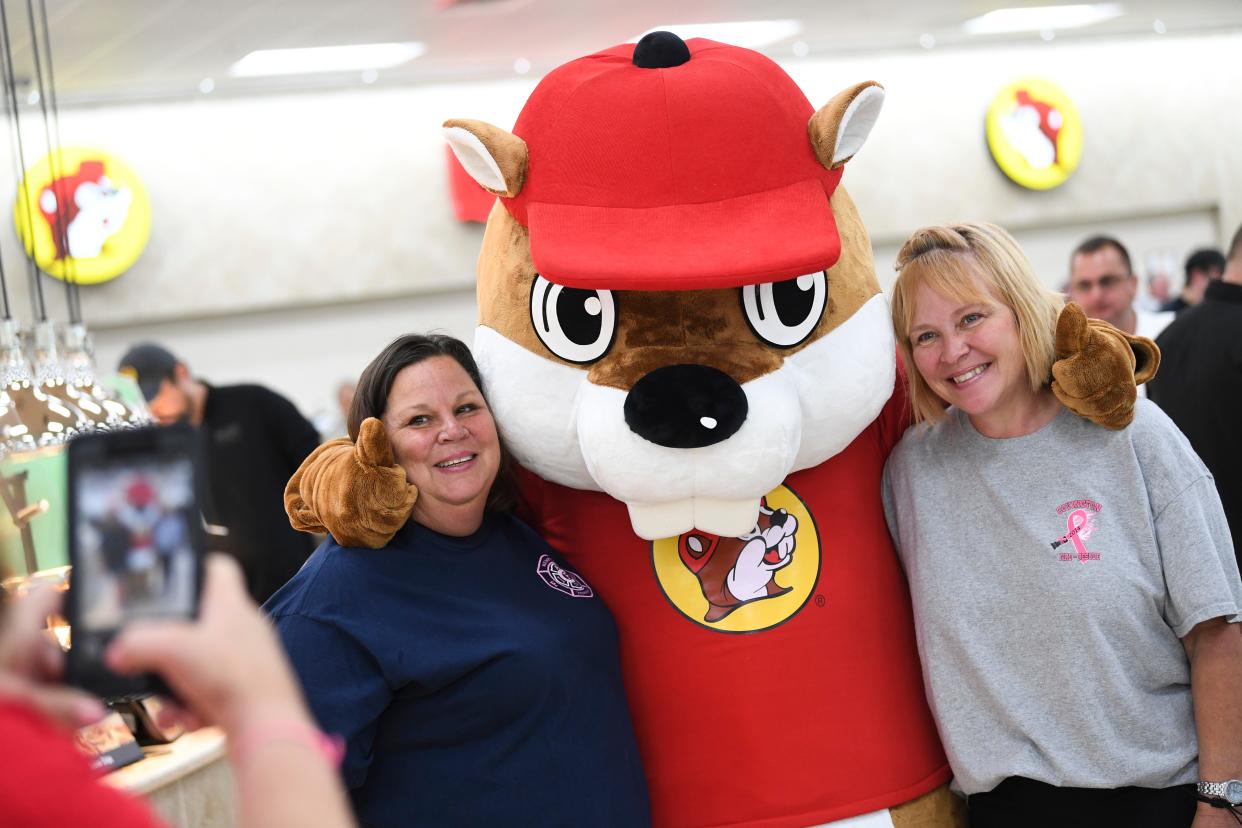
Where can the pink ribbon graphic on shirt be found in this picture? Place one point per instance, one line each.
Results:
(1076, 525)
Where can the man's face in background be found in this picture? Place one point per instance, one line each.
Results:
(1103, 285)
(170, 405)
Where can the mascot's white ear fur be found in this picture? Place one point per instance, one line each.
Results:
(494, 158)
(840, 128)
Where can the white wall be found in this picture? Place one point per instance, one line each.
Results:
(294, 235)
(1161, 164)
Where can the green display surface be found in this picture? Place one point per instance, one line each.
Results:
(46, 480)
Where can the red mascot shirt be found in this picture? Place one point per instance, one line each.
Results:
(774, 679)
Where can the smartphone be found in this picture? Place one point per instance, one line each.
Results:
(136, 544)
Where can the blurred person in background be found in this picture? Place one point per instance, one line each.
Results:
(1103, 283)
(226, 667)
(1203, 267)
(1157, 292)
(331, 422)
(1200, 381)
(253, 440)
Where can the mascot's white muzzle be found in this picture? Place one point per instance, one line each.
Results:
(687, 447)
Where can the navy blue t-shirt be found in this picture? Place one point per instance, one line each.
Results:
(476, 681)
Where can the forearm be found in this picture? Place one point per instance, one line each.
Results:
(1215, 652)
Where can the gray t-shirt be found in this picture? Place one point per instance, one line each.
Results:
(1052, 577)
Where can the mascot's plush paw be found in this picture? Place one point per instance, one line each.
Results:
(356, 492)
(940, 808)
(1099, 368)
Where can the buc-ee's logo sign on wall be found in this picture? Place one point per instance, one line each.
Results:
(1034, 133)
(82, 215)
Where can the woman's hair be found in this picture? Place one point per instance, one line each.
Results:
(953, 260)
(375, 384)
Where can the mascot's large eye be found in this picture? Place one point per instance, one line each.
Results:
(576, 325)
(785, 313)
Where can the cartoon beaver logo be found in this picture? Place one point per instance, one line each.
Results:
(748, 582)
(89, 210)
(1034, 133)
(82, 215)
(736, 571)
(1032, 128)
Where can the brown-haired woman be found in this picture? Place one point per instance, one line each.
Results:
(474, 678)
(1075, 590)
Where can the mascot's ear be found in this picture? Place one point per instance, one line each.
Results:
(841, 126)
(1146, 358)
(494, 158)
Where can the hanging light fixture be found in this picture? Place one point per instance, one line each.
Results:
(48, 419)
(14, 375)
(84, 387)
(80, 378)
(32, 418)
(13, 372)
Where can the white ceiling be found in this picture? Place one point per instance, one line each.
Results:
(108, 51)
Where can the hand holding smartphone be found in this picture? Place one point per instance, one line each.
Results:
(136, 544)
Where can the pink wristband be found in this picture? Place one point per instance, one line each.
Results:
(330, 746)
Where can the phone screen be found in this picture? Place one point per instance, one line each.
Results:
(135, 547)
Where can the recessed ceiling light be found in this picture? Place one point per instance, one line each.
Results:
(1159, 26)
(927, 40)
(521, 66)
(1039, 18)
(325, 59)
(801, 48)
(206, 86)
(750, 34)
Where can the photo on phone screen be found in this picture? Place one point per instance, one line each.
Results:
(134, 544)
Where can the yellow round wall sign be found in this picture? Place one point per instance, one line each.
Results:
(1034, 133)
(89, 222)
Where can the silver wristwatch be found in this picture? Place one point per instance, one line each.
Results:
(1230, 790)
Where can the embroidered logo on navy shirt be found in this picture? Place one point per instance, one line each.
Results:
(562, 579)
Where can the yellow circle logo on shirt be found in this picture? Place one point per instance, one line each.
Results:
(1034, 133)
(749, 583)
(82, 215)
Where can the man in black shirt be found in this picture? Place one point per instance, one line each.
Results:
(1202, 268)
(1199, 384)
(253, 441)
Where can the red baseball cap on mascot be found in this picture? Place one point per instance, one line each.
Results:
(673, 166)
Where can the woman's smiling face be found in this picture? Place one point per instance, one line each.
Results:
(969, 352)
(444, 437)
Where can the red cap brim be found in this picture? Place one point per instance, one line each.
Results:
(761, 237)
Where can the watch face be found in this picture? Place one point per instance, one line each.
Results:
(1233, 792)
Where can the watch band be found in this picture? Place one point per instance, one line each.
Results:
(1229, 790)
(1212, 789)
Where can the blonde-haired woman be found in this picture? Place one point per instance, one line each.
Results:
(1075, 590)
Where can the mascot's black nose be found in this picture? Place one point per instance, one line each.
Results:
(685, 406)
(660, 50)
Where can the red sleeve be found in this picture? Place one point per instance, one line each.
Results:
(48, 782)
(897, 414)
